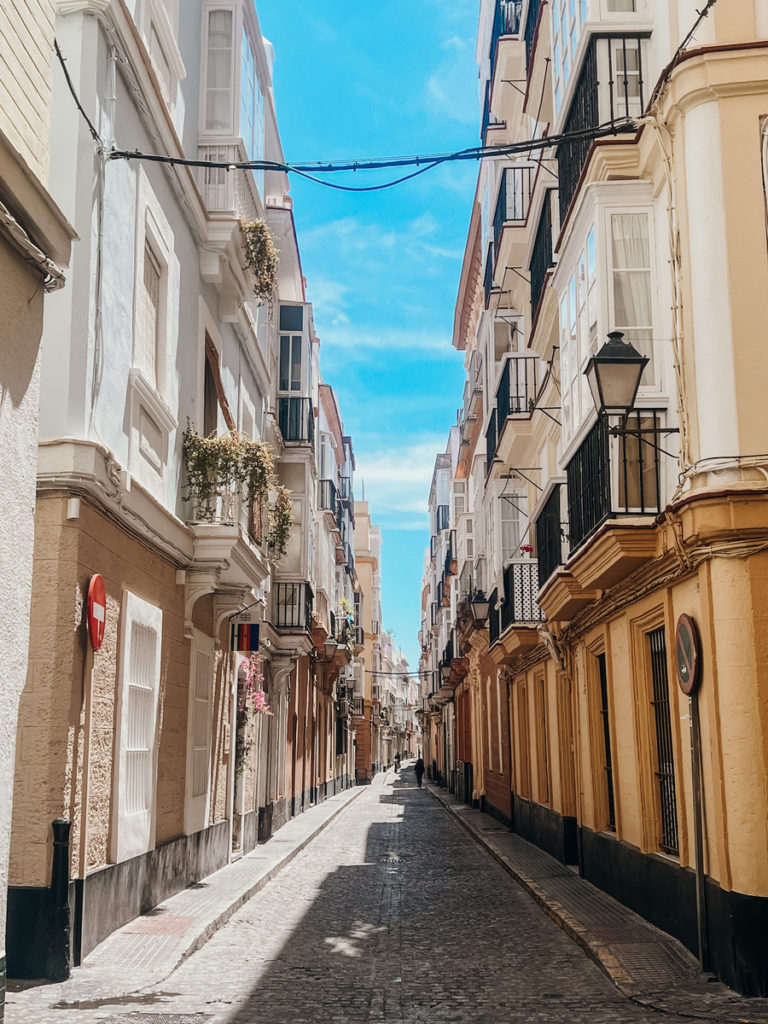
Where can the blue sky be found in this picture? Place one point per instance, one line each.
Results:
(367, 80)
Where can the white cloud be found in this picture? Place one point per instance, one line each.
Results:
(397, 479)
(363, 340)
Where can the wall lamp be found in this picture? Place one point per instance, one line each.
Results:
(480, 606)
(614, 375)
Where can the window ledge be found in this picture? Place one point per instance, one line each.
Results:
(152, 399)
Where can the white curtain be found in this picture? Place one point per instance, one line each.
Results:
(632, 305)
(218, 113)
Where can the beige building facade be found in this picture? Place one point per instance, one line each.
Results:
(35, 241)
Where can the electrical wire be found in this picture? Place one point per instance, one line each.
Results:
(94, 134)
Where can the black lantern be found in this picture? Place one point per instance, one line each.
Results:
(480, 606)
(445, 672)
(614, 375)
(329, 647)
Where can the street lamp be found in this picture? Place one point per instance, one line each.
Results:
(480, 607)
(445, 672)
(614, 376)
(329, 647)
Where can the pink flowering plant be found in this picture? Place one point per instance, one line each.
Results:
(251, 701)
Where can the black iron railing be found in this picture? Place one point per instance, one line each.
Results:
(357, 706)
(531, 21)
(296, 420)
(494, 619)
(541, 257)
(583, 114)
(292, 607)
(443, 517)
(450, 555)
(549, 536)
(489, 119)
(345, 488)
(488, 275)
(359, 636)
(517, 388)
(433, 611)
(626, 88)
(607, 751)
(521, 585)
(349, 557)
(665, 772)
(636, 470)
(513, 201)
(491, 440)
(432, 545)
(326, 495)
(506, 22)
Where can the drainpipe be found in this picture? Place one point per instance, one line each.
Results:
(698, 829)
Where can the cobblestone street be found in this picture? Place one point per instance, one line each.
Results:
(393, 914)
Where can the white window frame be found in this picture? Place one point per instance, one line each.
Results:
(197, 805)
(151, 402)
(230, 130)
(134, 833)
(153, 15)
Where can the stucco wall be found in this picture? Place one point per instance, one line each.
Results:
(67, 711)
(21, 304)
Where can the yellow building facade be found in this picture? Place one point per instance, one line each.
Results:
(646, 216)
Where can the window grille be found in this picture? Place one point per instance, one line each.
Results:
(608, 766)
(665, 761)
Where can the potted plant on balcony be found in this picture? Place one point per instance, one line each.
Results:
(279, 520)
(261, 257)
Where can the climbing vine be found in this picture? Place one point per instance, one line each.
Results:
(261, 257)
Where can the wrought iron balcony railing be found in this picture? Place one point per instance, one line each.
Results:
(489, 120)
(357, 706)
(625, 99)
(517, 388)
(614, 476)
(513, 201)
(494, 618)
(541, 258)
(345, 488)
(296, 419)
(521, 585)
(491, 440)
(443, 517)
(488, 275)
(549, 535)
(506, 22)
(292, 606)
(529, 33)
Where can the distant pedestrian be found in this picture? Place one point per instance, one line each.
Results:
(397, 762)
(419, 770)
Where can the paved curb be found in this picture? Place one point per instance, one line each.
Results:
(580, 933)
(198, 938)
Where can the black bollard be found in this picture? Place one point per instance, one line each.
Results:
(58, 959)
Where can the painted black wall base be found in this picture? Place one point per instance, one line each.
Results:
(109, 898)
(2, 988)
(552, 832)
(496, 812)
(250, 831)
(664, 893)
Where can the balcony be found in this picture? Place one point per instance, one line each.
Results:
(490, 121)
(449, 568)
(327, 498)
(617, 61)
(515, 401)
(296, 419)
(349, 558)
(510, 235)
(491, 438)
(488, 286)
(529, 32)
(542, 255)
(443, 517)
(614, 476)
(292, 607)
(228, 192)
(506, 22)
(521, 585)
(357, 706)
(345, 488)
(549, 535)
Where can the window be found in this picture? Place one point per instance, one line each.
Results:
(578, 335)
(149, 324)
(459, 498)
(509, 525)
(199, 733)
(251, 109)
(218, 87)
(606, 742)
(568, 16)
(524, 741)
(542, 741)
(631, 261)
(291, 348)
(136, 740)
(665, 761)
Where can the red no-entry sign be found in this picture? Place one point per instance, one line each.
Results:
(96, 610)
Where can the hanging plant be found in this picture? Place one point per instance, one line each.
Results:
(222, 468)
(261, 257)
(279, 521)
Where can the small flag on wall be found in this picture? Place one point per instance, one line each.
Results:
(245, 637)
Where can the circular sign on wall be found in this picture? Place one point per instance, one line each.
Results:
(96, 610)
(687, 654)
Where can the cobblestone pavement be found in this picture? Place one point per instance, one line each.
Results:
(393, 914)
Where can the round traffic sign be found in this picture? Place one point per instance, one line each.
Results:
(687, 654)
(96, 610)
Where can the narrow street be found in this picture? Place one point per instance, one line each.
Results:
(394, 913)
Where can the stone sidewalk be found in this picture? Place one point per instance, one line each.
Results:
(148, 949)
(650, 967)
